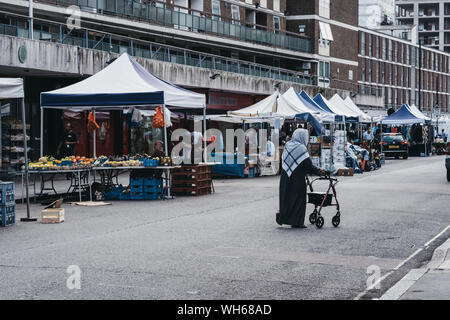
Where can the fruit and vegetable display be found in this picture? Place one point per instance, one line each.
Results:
(78, 162)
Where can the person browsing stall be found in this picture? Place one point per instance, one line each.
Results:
(296, 164)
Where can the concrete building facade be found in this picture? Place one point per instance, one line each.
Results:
(432, 18)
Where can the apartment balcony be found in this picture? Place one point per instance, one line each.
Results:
(195, 22)
(94, 39)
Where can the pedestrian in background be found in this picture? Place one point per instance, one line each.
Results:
(296, 164)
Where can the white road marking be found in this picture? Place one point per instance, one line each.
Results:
(426, 245)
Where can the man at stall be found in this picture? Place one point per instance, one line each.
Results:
(66, 147)
(158, 150)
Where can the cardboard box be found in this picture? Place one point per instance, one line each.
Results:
(52, 215)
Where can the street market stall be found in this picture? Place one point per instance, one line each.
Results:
(414, 124)
(124, 84)
(12, 88)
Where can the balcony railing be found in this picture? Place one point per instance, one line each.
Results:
(93, 39)
(195, 23)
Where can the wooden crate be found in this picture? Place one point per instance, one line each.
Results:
(52, 215)
(191, 191)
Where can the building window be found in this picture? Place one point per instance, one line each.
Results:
(363, 44)
(369, 67)
(276, 5)
(396, 52)
(324, 69)
(370, 44)
(384, 48)
(377, 52)
(390, 74)
(390, 50)
(216, 9)
(235, 15)
(383, 72)
(363, 70)
(408, 48)
(377, 71)
(276, 24)
(324, 8)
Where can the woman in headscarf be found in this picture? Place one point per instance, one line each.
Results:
(296, 164)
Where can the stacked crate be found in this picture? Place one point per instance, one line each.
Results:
(8, 216)
(146, 189)
(192, 180)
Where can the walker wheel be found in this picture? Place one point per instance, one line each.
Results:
(313, 217)
(319, 222)
(336, 220)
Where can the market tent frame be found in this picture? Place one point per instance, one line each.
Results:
(123, 83)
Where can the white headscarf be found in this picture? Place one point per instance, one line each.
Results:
(295, 151)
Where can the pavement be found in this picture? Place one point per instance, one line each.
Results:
(432, 282)
(228, 246)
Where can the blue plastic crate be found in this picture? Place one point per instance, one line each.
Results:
(124, 196)
(150, 182)
(136, 181)
(136, 195)
(137, 189)
(150, 162)
(8, 216)
(251, 172)
(7, 193)
(153, 195)
(159, 189)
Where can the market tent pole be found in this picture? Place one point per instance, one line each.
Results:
(166, 147)
(41, 142)
(94, 138)
(204, 134)
(25, 152)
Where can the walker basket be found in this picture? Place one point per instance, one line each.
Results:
(316, 198)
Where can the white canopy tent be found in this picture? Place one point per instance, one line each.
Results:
(364, 117)
(338, 106)
(121, 84)
(418, 113)
(12, 88)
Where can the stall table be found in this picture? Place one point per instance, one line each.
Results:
(79, 181)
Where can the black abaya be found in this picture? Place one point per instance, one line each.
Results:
(293, 194)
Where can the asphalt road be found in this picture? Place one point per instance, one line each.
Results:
(228, 246)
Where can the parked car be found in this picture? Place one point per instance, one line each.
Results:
(394, 145)
(447, 161)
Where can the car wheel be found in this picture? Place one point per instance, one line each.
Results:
(397, 157)
(448, 175)
(405, 156)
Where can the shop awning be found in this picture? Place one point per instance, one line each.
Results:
(265, 106)
(11, 88)
(122, 83)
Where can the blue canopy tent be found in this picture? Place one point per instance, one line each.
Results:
(403, 116)
(122, 84)
(323, 103)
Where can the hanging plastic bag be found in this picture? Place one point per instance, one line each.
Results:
(158, 118)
